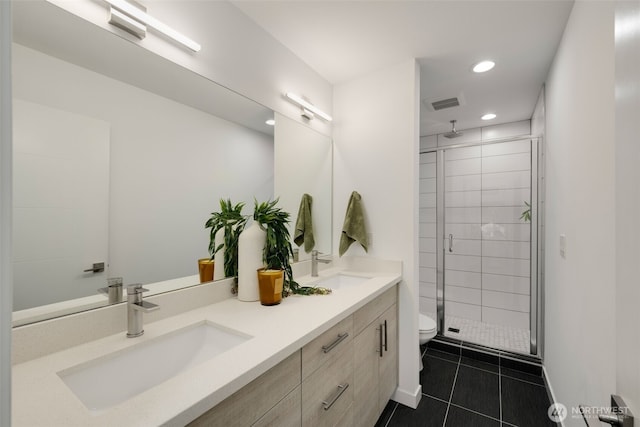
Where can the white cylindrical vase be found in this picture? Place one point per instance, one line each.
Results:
(250, 247)
(218, 272)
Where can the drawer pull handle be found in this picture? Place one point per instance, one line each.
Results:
(341, 337)
(341, 389)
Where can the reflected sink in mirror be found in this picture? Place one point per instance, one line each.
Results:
(341, 281)
(117, 377)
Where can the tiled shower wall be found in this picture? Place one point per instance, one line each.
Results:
(487, 269)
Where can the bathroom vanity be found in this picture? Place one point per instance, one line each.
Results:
(310, 360)
(344, 377)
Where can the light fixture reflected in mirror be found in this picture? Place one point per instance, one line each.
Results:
(309, 111)
(132, 18)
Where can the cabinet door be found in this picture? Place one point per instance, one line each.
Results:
(388, 367)
(365, 381)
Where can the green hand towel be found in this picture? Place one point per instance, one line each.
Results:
(304, 225)
(354, 228)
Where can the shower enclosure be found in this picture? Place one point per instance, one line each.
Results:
(479, 247)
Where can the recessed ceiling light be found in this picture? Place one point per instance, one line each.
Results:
(483, 66)
(270, 122)
(489, 116)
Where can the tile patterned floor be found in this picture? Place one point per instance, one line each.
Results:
(460, 391)
(494, 336)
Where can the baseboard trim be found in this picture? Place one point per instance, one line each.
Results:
(407, 398)
(550, 393)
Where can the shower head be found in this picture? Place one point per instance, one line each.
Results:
(454, 133)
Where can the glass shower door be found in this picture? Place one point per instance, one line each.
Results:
(485, 290)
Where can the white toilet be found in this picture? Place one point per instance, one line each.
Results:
(428, 328)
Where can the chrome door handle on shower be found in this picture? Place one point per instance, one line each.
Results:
(450, 242)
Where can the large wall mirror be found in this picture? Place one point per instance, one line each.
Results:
(120, 156)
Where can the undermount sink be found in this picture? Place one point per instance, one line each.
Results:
(341, 281)
(116, 377)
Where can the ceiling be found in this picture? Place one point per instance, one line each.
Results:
(343, 40)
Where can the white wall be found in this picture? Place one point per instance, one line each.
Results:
(375, 144)
(236, 52)
(627, 60)
(6, 280)
(170, 165)
(580, 182)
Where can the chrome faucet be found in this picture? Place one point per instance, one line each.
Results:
(114, 290)
(135, 307)
(314, 262)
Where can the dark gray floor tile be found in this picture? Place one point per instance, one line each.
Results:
(429, 413)
(458, 417)
(386, 414)
(523, 404)
(437, 377)
(443, 355)
(477, 390)
(536, 379)
(479, 364)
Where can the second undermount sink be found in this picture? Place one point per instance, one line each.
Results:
(342, 281)
(115, 378)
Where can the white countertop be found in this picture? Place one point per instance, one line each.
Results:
(41, 398)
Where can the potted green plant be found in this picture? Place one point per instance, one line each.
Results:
(275, 279)
(231, 220)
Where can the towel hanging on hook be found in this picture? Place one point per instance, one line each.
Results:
(304, 225)
(354, 228)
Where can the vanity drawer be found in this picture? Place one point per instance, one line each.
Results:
(367, 314)
(327, 346)
(327, 395)
(285, 414)
(250, 403)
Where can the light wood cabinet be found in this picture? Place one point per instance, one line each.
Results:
(285, 414)
(250, 403)
(327, 394)
(376, 359)
(388, 364)
(326, 347)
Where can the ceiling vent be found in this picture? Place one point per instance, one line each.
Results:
(445, 103)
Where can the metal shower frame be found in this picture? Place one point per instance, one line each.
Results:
(536, 294)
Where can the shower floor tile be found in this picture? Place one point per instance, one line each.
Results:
(487, 334)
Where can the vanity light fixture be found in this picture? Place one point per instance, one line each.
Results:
(133, 19)
(483, 66)
(271, 122)
(488, 116)
(309, 110)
